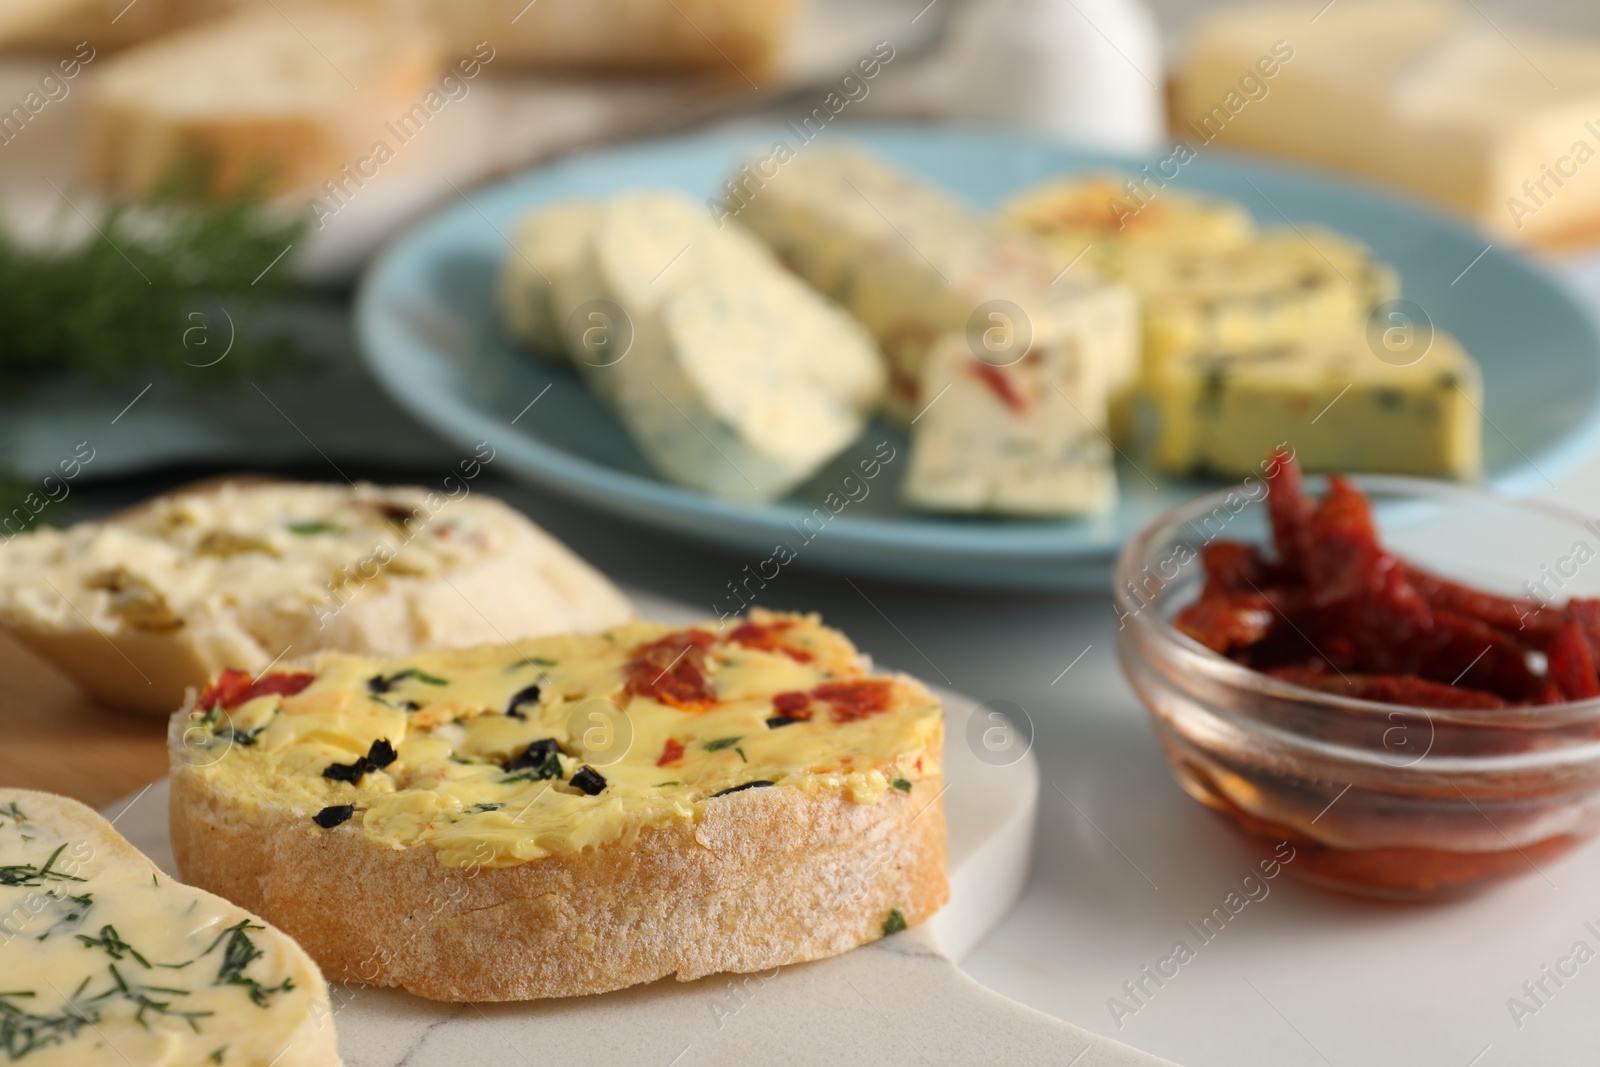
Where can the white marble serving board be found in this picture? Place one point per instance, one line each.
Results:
(901, 1000)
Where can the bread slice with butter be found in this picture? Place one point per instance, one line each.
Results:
(913, 263)
(108, 961)
(731, 375)
(284, 95)
(569, 815)
(143, 606)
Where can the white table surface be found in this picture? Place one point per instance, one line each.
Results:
(1124, 859)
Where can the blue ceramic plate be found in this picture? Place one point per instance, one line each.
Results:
(428, 327)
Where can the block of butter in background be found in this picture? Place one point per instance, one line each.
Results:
(1418, 94)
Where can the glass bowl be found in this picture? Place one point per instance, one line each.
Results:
(1377, 799)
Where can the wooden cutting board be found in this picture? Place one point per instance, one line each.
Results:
(59, 740)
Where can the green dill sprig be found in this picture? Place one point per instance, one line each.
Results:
(27, 875)
(240, 952)
(119, 302)
(114, 946)
(162, 286)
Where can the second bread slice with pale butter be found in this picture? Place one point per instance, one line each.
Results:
(139, 608)
(731, 375)
(110, 962)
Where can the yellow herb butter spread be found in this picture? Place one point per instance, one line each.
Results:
(106, 961)
(499, 755)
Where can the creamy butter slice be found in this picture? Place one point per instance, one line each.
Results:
(503, 754)
(913, 264)
(105, 960)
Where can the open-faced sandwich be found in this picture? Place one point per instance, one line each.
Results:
(143, 606)
(570, 814)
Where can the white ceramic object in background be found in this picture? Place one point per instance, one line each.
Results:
(901, 1000)
(1089, 71)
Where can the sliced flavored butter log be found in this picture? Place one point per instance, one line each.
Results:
(1207, 279)
(548, 243)
(570, 814)
(1336, 403)
(141, 607)
(107, 961)
(1099, 214)
(1009, 439)
(1496, 121)
(730, 374)
(1284, 286)
(913, 264)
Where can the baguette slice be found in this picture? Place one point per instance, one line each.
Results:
(285, 94)
(108, 961)
(140, 608)
(572, 814)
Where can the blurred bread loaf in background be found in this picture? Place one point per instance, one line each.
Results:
(740, 37)
(737, 37)
(281, 95)
(57, 25)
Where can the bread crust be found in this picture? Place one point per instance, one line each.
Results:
(760, 878)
